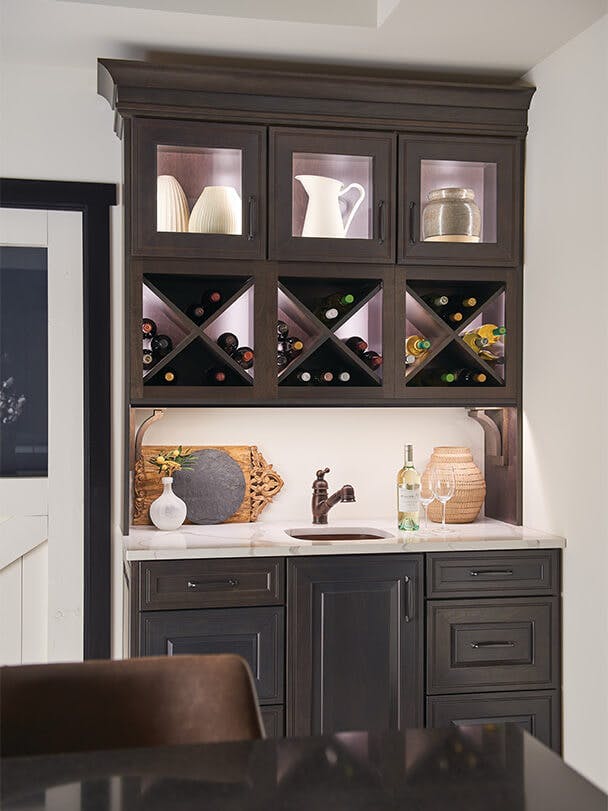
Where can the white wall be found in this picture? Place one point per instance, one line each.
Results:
(565, 381)
(362, 447)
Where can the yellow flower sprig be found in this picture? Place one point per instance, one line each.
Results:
(177, 459)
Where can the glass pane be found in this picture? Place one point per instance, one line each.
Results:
(199, 189)
(23, 362)
(458, 201)
(332, 196)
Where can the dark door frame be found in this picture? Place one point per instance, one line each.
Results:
(94, 201)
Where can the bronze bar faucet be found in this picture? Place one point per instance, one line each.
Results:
(321, 504)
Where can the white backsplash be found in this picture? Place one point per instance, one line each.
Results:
(363, 447)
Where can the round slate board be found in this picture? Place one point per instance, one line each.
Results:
(213, 487)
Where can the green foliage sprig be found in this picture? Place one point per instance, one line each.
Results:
(177, 459)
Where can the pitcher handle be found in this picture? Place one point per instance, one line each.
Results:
(355, 207)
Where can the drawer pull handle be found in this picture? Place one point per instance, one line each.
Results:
(213, 584)
(408, 586)
(250, 217)
(493, 644)
(381, 222)
(477, 572)
(412, 223)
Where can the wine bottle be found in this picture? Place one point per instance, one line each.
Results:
(436, 377)
(148, 328)
(149, 359)
(282, 360)
(324, 377)
(435, 301)
(469, 376)
(216, 377)
(282, 329)
(417, 345)
(410, 359)
(294, 346)
(408, 493)
(328, 313)
(211, 300)
(471, 301)
(491, 357)
(169, 376)
(475, 341)
(344, 377)
(456, 317)
(372, 359)
(161, 345)
(196, 312)
(244, 357)
(304, 376)
(228, 342)
(332, 306)
(356, 344)
(491, 332)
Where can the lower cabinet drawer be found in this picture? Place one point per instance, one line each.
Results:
(486, 645)
(537, 712)
(256, 634)
(274, 721)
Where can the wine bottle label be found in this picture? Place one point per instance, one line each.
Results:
(409, 499)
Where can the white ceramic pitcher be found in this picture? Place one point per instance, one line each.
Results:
(323, 216)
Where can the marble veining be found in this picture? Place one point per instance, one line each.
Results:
(270, 539)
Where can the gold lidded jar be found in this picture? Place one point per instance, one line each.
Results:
(451, 215)
(470, 489)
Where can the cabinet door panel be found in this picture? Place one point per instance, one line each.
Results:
(490, 168)
(536, 712)
(256, 634)
(483, 645)
(212, 179)
(355, 649)
(331, 195)
(274, 721)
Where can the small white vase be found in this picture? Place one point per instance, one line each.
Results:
(168, 511)
(218, 210)
(171, 205)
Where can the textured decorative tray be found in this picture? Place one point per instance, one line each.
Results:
(262, 482)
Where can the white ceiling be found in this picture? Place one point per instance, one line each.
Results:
(501, 38)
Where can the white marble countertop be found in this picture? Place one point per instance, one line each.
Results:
(270, 539)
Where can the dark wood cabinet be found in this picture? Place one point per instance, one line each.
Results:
(337, 642)
(256, 634)
(355, 643)
(197, 156)
(490, 168)
(537, 712)
(348, 173)
(498, 644)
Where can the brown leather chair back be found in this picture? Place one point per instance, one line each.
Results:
(153, 701)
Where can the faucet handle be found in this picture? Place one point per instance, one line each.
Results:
(321, 474)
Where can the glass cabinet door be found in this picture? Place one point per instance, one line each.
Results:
(331, 195)
(199, 190)
(458, 201)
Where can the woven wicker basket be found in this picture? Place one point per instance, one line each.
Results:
(470, 491)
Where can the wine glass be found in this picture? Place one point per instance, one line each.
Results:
(426, 497)
(443, 484)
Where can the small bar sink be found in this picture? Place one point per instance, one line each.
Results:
(323, 534)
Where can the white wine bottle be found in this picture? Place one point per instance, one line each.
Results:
(408, 493)
(491, 332)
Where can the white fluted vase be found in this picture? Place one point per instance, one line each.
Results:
(168, 511)
(172, 210)
(218, 210)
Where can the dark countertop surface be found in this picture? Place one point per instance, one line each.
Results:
(491, 767)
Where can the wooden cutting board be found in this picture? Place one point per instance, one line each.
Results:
(262, 482)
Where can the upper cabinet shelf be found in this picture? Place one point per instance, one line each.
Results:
(332, 195)
(459, 201)
(199, 190)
